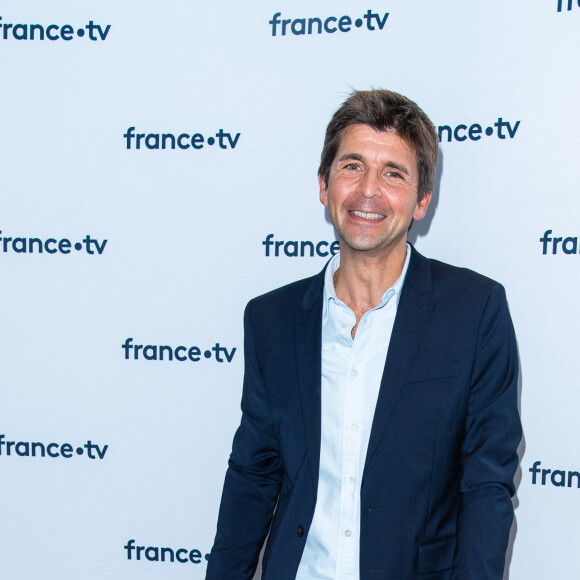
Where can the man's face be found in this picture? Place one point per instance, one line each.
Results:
(372, 190)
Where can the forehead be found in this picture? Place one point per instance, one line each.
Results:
(364, 140)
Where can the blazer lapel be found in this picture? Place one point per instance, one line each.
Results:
(308, 345)
(412, 316)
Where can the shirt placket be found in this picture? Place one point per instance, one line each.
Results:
(348, 532)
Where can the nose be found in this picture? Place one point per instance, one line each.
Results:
(369, 185)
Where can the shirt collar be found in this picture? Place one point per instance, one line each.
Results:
(329, 293)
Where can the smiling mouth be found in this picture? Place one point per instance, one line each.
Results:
(366, 215)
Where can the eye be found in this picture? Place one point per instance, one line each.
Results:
(393, 175)
(352, 166)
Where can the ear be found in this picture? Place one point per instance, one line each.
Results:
(323, 190)
(422, 206)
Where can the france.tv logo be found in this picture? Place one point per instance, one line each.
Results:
(54, 450)
(52, 31)
(302, 26)
(499, 129)
(23, 245)
(181, 353)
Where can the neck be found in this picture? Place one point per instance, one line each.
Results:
(362, 279)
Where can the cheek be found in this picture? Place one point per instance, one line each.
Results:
(334, 197)
(403, 199)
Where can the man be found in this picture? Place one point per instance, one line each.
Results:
(380, 425)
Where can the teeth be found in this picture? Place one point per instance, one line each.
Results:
(367, 215)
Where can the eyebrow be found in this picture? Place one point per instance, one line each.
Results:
(358, 157)
(354, 156)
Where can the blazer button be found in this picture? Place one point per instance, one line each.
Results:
(300, 531)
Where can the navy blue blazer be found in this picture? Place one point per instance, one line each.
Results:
(438, 476)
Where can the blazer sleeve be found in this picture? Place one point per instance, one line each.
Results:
(489, 452)
(252, 482)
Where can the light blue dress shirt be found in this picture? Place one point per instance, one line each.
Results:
(351, 377)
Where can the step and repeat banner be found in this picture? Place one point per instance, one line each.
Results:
(158, 169)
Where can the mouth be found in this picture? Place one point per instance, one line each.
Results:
(367, 215)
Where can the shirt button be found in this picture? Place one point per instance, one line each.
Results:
(351, 479)
(354, 373)
(347, 533)
(353, 426)
(344, 325)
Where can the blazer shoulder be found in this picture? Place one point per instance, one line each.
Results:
(287, 298)
(450, 279)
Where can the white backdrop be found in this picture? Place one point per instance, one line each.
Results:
(140, 446)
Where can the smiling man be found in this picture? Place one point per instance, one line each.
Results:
(380, 425)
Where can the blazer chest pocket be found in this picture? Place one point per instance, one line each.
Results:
(432, 373)
(436, 556)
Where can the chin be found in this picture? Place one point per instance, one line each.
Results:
(362, 245)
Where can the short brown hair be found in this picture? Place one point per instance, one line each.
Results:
(385, 111)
